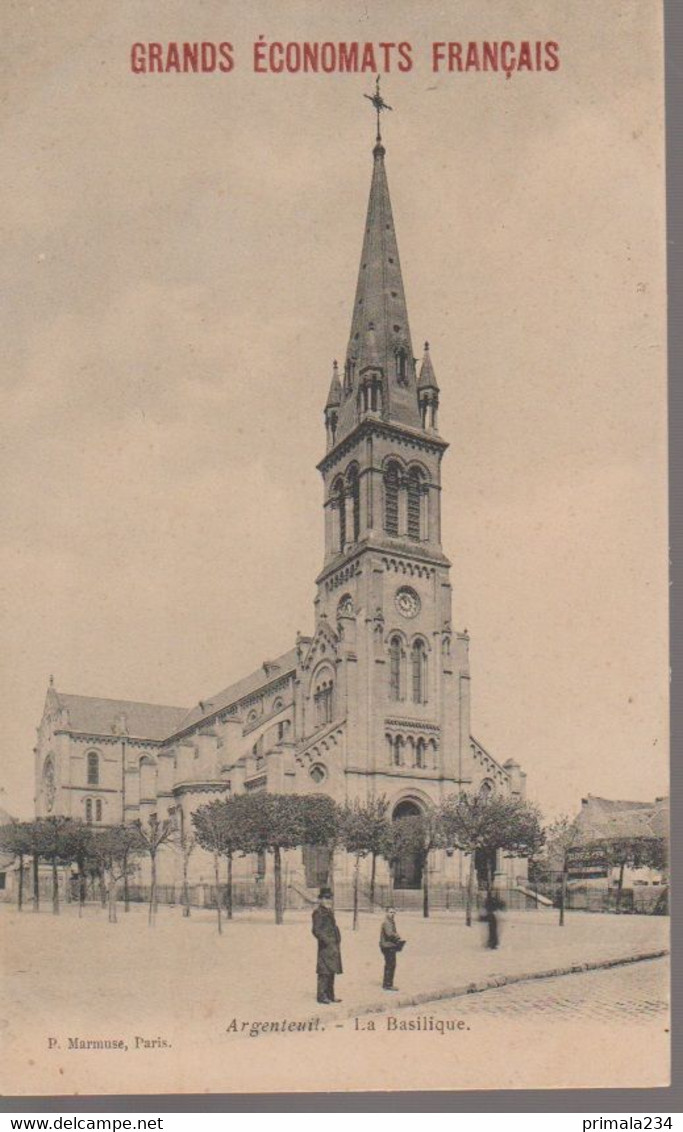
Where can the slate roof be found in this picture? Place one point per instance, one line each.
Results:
(379, 324)
(238, 691)
(602, 818)
(95, 716)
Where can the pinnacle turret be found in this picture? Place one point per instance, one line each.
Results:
(427, 379)
(335, 395)
(428, 393)
(334, 398)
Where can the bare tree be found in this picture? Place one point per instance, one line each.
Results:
(152, 837)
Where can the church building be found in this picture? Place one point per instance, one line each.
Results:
(376, 700)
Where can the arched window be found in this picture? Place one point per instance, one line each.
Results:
(398, 750)
(391, 482)
(420, 754)
(401, 365)
(257, 752)
(88, 810)
(323, 698)
(418, 663)
(339, 507)
(98, 810)
(353, 490)
(147, 779)
(414, 504)
(93, 768)
(395, 667)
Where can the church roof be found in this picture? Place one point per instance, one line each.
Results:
(247, 686)
(96, 716)
(380, 333)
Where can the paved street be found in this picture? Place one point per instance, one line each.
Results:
(637, 993)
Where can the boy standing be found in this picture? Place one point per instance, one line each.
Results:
(390, 943)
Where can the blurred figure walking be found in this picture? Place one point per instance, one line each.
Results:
(492, 906)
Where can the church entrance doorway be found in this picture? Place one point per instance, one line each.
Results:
(317, 865)
(408, 867)
(485, 867)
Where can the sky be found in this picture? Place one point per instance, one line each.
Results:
(180, 261)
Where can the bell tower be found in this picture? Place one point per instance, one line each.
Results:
(402, 673)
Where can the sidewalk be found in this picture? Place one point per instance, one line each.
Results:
(259, 970)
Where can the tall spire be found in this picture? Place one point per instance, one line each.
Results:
(380, 348)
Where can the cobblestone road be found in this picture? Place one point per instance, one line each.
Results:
(637, 992)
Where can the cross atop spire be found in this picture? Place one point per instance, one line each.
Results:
(379, 105)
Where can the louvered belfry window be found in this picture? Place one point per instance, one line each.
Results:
(341, 512)
(419, 667)
(391, 500)
(414, 504)
(355, 495)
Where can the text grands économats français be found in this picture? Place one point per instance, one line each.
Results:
(504, 56)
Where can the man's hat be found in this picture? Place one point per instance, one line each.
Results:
(325, 894)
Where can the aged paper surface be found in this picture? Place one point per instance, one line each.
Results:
(189, 246)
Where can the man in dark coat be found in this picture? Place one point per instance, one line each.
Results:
(390, 943)
(328, 936)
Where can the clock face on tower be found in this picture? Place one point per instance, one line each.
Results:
(407, 602)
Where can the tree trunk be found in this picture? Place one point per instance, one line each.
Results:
(126, 892)
(111, 898)
(373, 870)
(355, 894)
(425, 887)
(620, 887)
(470, 892)
(563, 893)
(216, 874)
(186, 887)
(330, 874)
(228, 894)
(153, 889)
(55, 887)
(20, 893)
(277, 869)
(36, 885)
(103, 889)
(81, 887)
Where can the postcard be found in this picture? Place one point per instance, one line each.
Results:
(335, 547)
